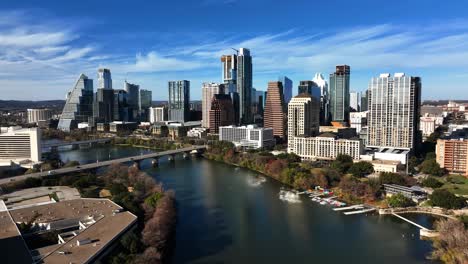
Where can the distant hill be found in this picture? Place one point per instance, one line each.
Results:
(23, 105)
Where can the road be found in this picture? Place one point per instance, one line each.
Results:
(99, 164)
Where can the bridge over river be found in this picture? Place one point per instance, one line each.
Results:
(155, 156)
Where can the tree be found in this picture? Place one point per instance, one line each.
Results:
(446, 199)
(391, 178)
(430, 166)
(361, 169)
(342, 163)
(399, 200)
(432, 182)
(452, 243)
(72, 163)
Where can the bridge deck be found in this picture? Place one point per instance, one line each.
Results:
(100, 164)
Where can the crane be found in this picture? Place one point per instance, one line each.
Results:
(237, 52)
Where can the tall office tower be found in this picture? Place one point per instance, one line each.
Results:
(208, 91)
(103, 105)
(303, 117)
(287, 88)
(244, 85)
(133, 97)
(20, 146)
(78, 105)
(221, 112)
(179, 100)
(324, 98)
(229, 72)
(339, 94)
(394, 109)
(144, 103)
(104, 79)
(120, 106)
(354, 101)
(309, 87)
(275, 116)
(364, 103)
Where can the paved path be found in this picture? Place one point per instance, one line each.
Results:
(67, 143)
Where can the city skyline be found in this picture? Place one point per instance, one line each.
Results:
(63, 43)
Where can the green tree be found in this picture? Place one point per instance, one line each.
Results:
(342, 163)
(399, 200)
(153, 199)
(391, 178)
(446, 199)
(430, 166)
(361, 169)
(432, 182)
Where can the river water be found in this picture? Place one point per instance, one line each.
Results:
(224, 218)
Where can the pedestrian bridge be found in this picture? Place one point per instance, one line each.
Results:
(98, 164)
(76, 143)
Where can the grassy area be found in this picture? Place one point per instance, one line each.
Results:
(457, 184)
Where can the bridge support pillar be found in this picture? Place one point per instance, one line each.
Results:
(136, 164)
(155, 162)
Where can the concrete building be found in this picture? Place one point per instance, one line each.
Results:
(78, 104)
(157, 114)
(250, 136)
(427, 125)
(303, 117)
(275, 110)
(86, 230)
(197, 132)
(20, 146)
(324, 98)
(36, 115)
(339, 94)
(229, 72)
(355, 101)
(208, 91)
(394, 110)
(358, 120)
(325, 147)
(221, 112)
(287, 88)
(121, 126)
(104, 79)
(244, 85)
(452, 152)
(179, 100)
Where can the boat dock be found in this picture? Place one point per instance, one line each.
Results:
(352, 207)
(360, 211)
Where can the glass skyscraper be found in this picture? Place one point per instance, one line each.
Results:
(179, 99)
(339, 94)
(244, 85)
(79, 104)
(287, 88)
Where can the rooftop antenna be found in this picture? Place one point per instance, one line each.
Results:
(236, 51)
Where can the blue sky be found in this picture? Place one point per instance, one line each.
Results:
(44, 48)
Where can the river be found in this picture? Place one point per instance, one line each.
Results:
(224, 218)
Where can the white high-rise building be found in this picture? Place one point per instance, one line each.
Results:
(248, 136)
(327, 146)
(394, 110)
(36, 115)
(324, 97)
(354, 101)
(20, 146)
(427, 125)
(104, 79)
(157, 114)
(358, 120)
(208, 91)
(303, 117)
